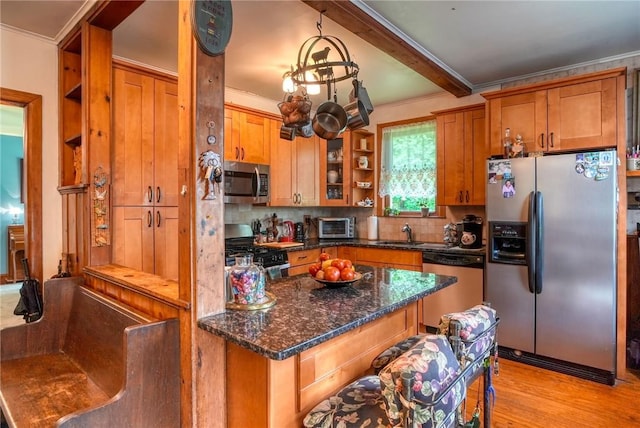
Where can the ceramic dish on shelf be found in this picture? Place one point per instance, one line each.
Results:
(338, 284)
(363, 184)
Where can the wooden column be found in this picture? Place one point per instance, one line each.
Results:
(201, 229)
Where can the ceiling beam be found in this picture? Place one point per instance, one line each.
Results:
(364, 26)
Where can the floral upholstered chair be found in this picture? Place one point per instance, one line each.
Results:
(420, 381)
(358, 404)
(423, 387)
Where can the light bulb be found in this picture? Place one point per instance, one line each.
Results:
(312, 88)
(287, 84)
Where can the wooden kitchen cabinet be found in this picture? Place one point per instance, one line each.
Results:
(335, 172)
(574, 113)
(294, 170)
(145, 168)
(461, 156)
(247, 135)
(409, 260)
(145, 172)
(145, 239)
(301, 260)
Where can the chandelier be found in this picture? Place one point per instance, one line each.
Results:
(322, 62)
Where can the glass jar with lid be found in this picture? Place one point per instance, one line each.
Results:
(247, 281)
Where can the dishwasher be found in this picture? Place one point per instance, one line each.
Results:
(462, 295)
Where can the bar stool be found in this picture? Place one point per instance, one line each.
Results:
(396, 397)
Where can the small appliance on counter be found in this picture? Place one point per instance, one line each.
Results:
(288, 230)
(336, 227)
(299, 232)
(471, 232)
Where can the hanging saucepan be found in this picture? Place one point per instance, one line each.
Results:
(357, 115)
(287, 132)
(330, 120)
(360, 92)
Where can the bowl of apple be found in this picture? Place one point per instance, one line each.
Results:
(334, 272)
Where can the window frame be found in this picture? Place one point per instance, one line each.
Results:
(439, 211)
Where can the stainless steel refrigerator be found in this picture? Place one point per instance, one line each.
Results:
(551, 260)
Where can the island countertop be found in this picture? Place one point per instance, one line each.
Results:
(307, 313)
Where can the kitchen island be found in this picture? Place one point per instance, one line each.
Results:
(281, 361)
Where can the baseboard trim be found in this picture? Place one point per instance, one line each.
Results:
(572, 369)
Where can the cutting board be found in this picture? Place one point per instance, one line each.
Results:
(281, 244)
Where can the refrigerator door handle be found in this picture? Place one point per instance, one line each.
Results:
(531, 244)
(539, 264)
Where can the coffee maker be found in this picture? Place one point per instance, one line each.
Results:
(471, 232)
(299, 232)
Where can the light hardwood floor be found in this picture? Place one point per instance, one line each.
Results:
(530, 397)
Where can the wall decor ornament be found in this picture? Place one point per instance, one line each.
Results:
(100, 217)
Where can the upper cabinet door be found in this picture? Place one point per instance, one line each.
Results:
(166, 144)
(247, 137)
(524, 114)
(133, 111)
(582, 115)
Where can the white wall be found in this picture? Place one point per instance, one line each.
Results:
(30, 64)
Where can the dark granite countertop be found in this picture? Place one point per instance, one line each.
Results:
(307, 313)
(387, 244)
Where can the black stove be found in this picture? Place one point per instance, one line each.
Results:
(238, 243)
(267, 257)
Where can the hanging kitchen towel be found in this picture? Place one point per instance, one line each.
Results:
(372, 228)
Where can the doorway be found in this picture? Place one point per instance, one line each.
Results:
(32, 173)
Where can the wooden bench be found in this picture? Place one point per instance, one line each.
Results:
(89, 362)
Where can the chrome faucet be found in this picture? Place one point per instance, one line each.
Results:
(406, 228)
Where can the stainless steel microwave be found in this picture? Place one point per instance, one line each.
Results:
(246, 183)
(336, 227)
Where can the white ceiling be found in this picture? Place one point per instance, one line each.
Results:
(483, 43)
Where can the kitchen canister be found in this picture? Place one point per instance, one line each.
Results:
(372, 228)
(247, 281)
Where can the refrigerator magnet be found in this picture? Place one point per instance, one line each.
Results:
(508, 187)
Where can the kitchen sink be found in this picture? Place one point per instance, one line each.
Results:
(434, 245)
(402, 243)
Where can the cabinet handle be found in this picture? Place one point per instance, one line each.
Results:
(542, 140)
(158, 194)
(302, 257)
(242, 151)
(158, 219)
(551, 140)
(237, 153)
(149, 219)
(150, 194)
(467, 195)
(460, 198)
